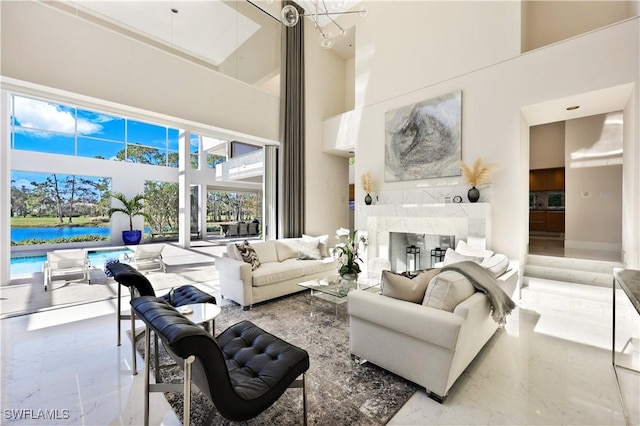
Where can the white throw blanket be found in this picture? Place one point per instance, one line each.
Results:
(501, 303)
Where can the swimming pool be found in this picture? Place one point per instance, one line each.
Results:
(33, 264)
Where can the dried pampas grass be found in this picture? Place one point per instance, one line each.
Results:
(366, 182)
(477, 175)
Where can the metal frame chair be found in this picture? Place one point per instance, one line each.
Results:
(66, 263)
(147, 255)
(242, 372)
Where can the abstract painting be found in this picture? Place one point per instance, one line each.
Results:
(424, 140)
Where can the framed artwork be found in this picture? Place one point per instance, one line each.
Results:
(424, 140)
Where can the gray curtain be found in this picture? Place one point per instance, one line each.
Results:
(292, 117)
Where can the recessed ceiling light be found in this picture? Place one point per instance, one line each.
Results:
(174, 10)
(571, 108)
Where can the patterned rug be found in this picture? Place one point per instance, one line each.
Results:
(339, 391)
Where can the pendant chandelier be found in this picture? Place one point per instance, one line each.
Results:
(291, 16)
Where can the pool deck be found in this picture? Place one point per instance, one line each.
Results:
(194, 265)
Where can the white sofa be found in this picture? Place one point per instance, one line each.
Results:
(279, 272)
(425, 345)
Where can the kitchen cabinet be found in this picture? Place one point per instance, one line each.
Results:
(537, 221)
(554, 221)
(555, 179)
(538, 180)
(546, 221)
(546, 179)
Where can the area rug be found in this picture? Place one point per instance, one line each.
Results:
(339, 390)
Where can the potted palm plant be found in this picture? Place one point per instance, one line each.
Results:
(131, 207)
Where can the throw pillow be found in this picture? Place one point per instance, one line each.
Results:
(452, 256)
(308, 250)
(446, 290)
(496, 264)
(323, 243)
(466, 250)
(248, 254)
(407, 287)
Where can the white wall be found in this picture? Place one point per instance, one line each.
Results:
(492, 102)
(405, 45)
(44, 45)
(326, 175)
(594, 221)
(546, 146)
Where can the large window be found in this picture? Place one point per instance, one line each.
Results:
(54, 128)
(57, 208)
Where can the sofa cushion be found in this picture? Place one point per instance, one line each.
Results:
(266, 251)
(287, 248)
(274, 272)
(447, 289)
(316, 266)
(496, 264)
(452, 256)
(410, 288)
(465, 249)
(308, 250)
(249, 255)
(323, 243)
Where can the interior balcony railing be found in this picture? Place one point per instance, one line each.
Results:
(246, 167)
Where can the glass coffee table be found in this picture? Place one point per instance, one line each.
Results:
(335, 288)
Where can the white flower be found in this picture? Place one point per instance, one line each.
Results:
(342, 232)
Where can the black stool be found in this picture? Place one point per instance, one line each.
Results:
(242, 372)
(139, 285)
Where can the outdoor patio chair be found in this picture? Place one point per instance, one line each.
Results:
(232, 231)
(146, 255)
(64, 263)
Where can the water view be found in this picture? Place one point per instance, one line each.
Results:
(50, 233)
(33, 264)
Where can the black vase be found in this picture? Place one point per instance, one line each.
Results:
(473, 194)
(368, 199)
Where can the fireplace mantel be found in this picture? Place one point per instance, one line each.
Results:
(467, 221)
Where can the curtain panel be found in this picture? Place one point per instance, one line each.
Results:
(292, 122)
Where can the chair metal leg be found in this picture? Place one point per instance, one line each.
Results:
(147, 350)
(187, 390)
(118, 313)
(133, 338)
(304, 399)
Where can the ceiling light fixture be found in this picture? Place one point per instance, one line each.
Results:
(291, 16)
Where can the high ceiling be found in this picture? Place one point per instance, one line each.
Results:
(210, 30)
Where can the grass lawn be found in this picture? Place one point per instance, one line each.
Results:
(44, 222)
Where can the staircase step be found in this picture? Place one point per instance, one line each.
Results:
(582, 271)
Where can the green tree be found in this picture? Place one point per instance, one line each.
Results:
(162, 205)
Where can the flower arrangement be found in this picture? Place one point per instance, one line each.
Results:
(477, 175)
(366, 182)
(346, 251)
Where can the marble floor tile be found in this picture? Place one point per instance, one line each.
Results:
(551, 364)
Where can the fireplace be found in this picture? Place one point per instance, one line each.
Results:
(463, 221)
(430, 249)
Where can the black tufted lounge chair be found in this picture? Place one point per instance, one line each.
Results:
(128, 276)
(243, 371)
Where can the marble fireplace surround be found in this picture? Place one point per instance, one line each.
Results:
(467, 221)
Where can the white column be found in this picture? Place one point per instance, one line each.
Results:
(202, 192)
(202, 218)
(184, 190)
(269, 192)
(5, 189)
